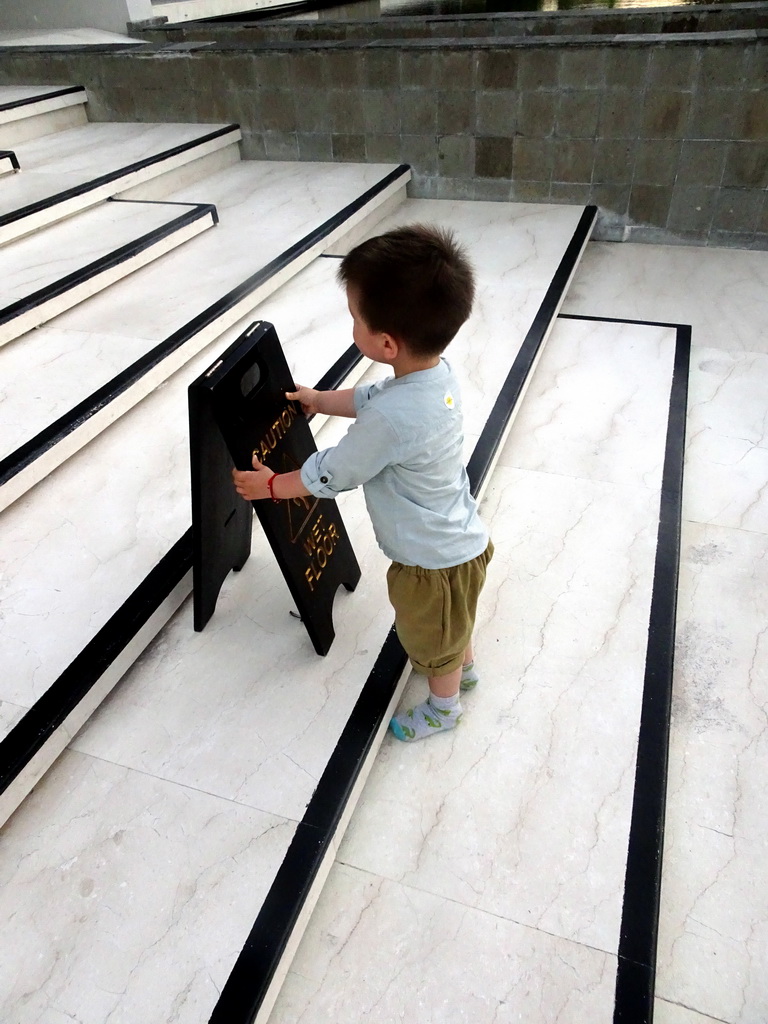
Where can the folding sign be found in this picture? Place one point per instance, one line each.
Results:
(238, 408)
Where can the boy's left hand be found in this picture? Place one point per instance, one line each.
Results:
(252, 485)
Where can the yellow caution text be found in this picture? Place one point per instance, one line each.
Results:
(319, 544)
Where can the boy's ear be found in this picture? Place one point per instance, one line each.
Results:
(391, 345)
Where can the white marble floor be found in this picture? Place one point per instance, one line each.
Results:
(103, 549)
(39, 260)
(441, 954)
(68, 159)
(63, 37)
(14, 93)
(46, 258)
(191, 10)
(69, 561)
(21, 102)
(510, 834)
(277, 714)
(316, 713)
(712, 946)
(169, 878)
(263, 210)
(485, 868)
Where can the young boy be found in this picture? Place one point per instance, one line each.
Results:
(409, 291)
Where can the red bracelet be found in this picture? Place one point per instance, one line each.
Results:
(270, 487)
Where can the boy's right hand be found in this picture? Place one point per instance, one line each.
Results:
(308, 398)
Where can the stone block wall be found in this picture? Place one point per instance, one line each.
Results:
(668, 135)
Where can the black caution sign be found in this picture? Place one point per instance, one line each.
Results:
(238, 409)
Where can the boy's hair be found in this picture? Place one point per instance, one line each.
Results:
(414, 283)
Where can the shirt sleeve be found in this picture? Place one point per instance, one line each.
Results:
(365, 392)
(369, 445)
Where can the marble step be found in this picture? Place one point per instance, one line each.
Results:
(511, 834)
(52, 270)
(250, 685)
(180, 11)
(63, 37)
(108, 544)
(9, 162)
(78, 168)
(82, 372)
(30, 111)
(125, 501)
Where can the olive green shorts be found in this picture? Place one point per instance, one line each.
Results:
(435, 611)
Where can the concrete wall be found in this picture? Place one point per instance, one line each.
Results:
(108, 15)
(667, 135)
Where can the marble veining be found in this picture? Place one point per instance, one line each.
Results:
(297, 756)
(598, 403)
(434, 961)
(63, 37)
(720, 688)
(10, 714)
(568, 629)
(14, 93)
(66, 159)
(712, 934)
(76, 546)
(727, 443)
(263, 208)
(521, 816)
(188, 689)
(549, 738)
(28, 264)
(106, 546)
(721, 293)
(715, 915)
(126, 898)
(719, 741)
(672, 1013)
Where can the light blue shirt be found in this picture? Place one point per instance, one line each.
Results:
(405, 448)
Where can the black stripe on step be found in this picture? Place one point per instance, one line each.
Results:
(26, 454)
(194, 212)
(46, 715)
(8, 154)
(164, 202)
(110, 176)
(255, 967)
(340, 370)
(68, 91)
(38, 724)
(636, 968)
(493, 431)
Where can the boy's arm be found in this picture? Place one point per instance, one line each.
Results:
(369, 445)
(253, 485)
(327, 403)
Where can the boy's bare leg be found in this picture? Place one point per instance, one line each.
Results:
(469, 678)
(445, 686)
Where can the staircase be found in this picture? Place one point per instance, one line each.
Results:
(174, 801)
